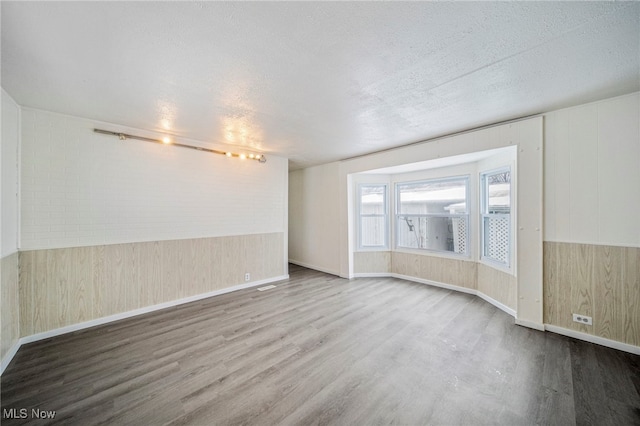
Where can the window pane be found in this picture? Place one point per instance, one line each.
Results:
(433, 197)
(372, 199)
(499, 191)
(433, 233)
(372, 231)
(496, 238)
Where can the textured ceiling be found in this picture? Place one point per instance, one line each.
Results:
(316, 82)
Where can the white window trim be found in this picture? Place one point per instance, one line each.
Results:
(489, 261)
(467, 215)
(359, 216)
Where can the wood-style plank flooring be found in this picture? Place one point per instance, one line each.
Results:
(323, 350)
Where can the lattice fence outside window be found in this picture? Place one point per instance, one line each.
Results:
(497, 238)
(496, 216)
(459, 235)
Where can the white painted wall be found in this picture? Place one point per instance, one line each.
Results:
(9, 171)
(592, 173)
(314, 218)
(79, 188)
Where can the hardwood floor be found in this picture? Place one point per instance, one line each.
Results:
(318, 349)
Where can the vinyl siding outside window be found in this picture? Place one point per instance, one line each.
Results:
(433, 215)
(372, 217)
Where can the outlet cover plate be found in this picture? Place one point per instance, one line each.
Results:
(582, 319)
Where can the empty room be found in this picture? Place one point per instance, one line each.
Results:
(328, 213)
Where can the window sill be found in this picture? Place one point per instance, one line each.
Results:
(498, 266)
(434, 253)
(371, 249)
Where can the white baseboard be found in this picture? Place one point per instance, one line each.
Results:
(541, 327)
(497, 304)
(371, 275)
(483, 296)
(111, 318)
(9, 356)
(480, 294)
(315, 268)
(104, 320)
(529, 324)
(434, 283)
(593, 339)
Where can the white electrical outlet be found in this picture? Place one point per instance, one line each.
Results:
(247, 276)
(582, 319)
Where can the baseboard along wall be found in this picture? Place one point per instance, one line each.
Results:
(541, 327)
(120, 316)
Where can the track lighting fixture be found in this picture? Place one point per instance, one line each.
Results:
(167, 141)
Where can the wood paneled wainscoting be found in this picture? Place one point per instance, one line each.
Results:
(67, 286)
(498, 285)
(600, 281)
(460, 273)
(319, 349)
(465, 275)
(372, 262)
(10, 332)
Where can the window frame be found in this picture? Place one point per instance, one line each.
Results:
(385, 215)
(484, 214)
(466, 216)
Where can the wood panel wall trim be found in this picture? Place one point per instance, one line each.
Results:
(10, 309)
(446, 286)
(145, 310)
(456, 272)
(63, 287)
(595, 280)
(498, 284)
(493, 285)
(6, 360)
(372, 261)
(117, 317)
